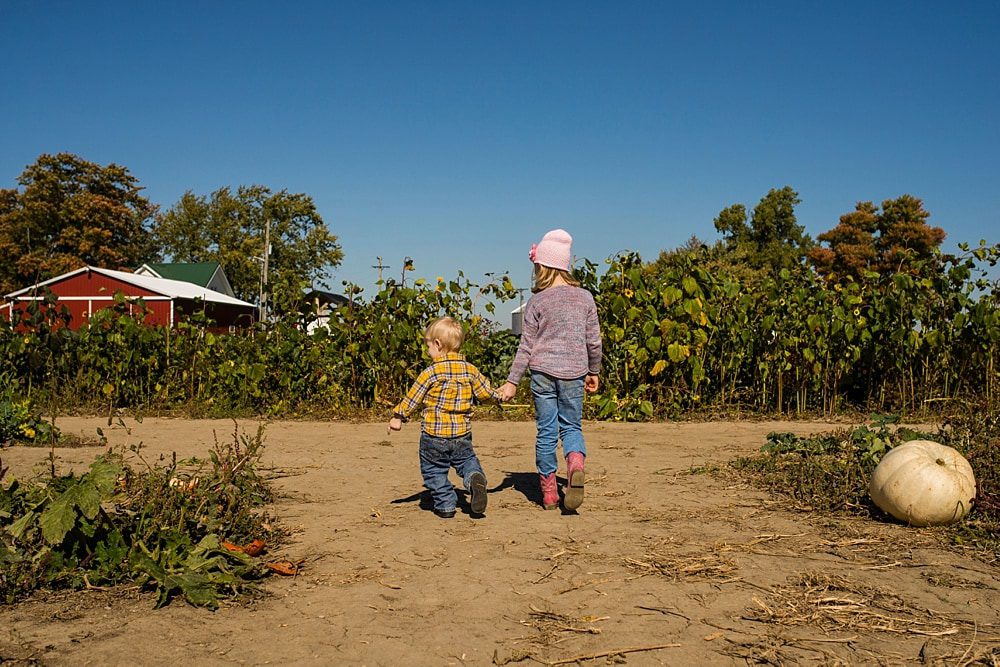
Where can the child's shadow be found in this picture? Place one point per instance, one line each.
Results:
(426, 501)
(525, 483)
(424, 498)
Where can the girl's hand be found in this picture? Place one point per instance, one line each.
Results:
(507, 391)
(395, 424)
(591, 383)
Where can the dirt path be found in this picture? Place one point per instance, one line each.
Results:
(707, 569)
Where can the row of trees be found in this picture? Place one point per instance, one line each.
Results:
(869, 238)
(67, 212)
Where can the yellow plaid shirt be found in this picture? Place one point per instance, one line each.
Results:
(446, 388)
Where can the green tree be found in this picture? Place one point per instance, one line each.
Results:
(772, 238)
(732, 224)
(886, 241)
(903, 233)
(723, 260)
(67, 213)
(229, 228)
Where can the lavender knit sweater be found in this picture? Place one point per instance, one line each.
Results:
(560, 335)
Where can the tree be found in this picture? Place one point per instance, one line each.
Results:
(732, 224)
(68, 213)
(869, 240)
(903, 233)
(851, 243)
(229, 228)
(773, 238)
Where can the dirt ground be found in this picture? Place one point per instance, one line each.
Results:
(664, 563)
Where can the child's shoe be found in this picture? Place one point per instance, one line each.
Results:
(445, 514)
(550, 491)
(573, 497)
(477, 487)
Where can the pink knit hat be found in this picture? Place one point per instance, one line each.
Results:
(554, 250)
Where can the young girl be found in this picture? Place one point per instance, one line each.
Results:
(561, 344)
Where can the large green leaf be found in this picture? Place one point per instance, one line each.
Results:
(690, 285)
(199, 576)
(19, 527)
(87, 499)
(58, 519)
(678, 352)
(104, 475)
(697, 370)
(670, 295)
(111, 551)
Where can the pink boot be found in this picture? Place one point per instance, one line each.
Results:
(550, 491)
(573, 493)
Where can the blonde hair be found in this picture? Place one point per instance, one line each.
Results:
(546, 275)
(447, 331)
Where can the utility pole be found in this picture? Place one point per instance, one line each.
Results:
(380, 266)
(263, 269)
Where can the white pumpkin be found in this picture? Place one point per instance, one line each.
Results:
(924, 483)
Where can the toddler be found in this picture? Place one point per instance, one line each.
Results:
(446, 389)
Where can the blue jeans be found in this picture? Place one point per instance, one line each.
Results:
(558, 413)
(437, 457)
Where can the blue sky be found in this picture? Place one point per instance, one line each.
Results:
(457, 133)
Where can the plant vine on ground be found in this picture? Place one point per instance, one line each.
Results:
(169, 526)
(830, 472)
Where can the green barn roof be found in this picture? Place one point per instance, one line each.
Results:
(199, 273)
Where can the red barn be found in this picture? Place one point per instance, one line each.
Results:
(87, 290)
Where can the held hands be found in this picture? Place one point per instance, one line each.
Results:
(590, 384)
(395, 424)
(507, 391)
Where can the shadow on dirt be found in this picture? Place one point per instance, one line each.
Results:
(423, 497)
(525, 483)
(426, 501)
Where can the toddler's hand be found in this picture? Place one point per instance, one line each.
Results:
(591, 383)
(395, 424)
(507, 391)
